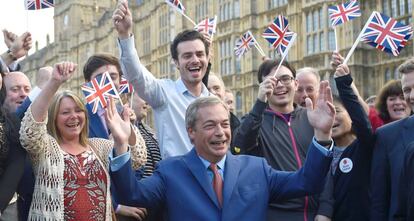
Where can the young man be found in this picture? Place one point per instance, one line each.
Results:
(387, 161)
(191, 186)
(279, 131)
(169, 99)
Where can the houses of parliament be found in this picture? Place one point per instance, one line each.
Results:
(84, 27)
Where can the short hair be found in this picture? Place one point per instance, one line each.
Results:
(192, 110)
(407, 67)
(187, 35)
(98, 60)
(391, 88)
(53, 112)
(310, 70)
(267, 66)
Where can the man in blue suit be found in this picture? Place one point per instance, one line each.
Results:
(388, 157)
(209, 183)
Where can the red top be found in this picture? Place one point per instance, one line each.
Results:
(85, 185)
(375, 119)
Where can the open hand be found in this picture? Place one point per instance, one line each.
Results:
(122, 19)
(321, 116)
(120, 127)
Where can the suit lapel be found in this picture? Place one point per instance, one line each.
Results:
(198, 170)
(231, 173)
(408, 132)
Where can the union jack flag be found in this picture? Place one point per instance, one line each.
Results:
(125, 87)
(244, 43)
(276, 31)
(386, 34)
(177, 5)
(207, 25)
(344, 12)
(38, 4)
(98, 90)
(286, 43)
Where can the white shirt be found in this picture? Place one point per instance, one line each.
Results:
(169, 100)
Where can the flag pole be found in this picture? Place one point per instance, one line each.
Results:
(189, 19)
(336, 39)
(257, 45)
(285, 54)
(358, 39)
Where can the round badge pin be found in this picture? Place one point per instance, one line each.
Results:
(345, 165)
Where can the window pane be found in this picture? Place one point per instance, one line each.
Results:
(331, 40)
(385, 7)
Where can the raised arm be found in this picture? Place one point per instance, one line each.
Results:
(246, 135)
(18, 47)
(147, 86)
(61, 73)
(337, 60)
(352, 104)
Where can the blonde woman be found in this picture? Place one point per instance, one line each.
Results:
(72, 182)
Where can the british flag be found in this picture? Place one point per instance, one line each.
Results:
(177, 5)
(276, 31)
(207, 25)
(38, 4)
(286, 43)
(386, 34)
(98, 90)
(244, 43)
(344, 12)
(125, 87)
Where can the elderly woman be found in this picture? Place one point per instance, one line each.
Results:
(72, 182)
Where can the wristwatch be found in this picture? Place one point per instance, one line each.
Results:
(325, 143)
(10, 53)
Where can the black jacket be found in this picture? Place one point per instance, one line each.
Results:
(350, 189)
(283, 144)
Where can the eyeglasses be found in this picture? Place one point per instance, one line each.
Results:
(286, 79)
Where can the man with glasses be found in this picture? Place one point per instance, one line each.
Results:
(278, 130)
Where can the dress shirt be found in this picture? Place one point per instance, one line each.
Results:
(220, 168)
(169, 100)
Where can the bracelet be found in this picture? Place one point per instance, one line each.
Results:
(10, 53)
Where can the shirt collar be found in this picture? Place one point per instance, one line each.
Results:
(183, 89)
(220, 164)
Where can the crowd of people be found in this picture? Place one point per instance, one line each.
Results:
(300, 154)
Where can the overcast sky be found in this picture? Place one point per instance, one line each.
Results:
(15, 18)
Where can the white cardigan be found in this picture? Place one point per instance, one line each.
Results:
(48, 166)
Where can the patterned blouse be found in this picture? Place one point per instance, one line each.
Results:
(84, 187)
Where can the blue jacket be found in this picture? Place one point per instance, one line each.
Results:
(387, 161)
(181, 185)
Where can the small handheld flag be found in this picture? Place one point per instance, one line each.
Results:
(342, 13)
(386, 33)
(179, 7)
(244, 43)
(38, 4)
(98, 90)
(207, 25)
(276, 31)
(125, 87)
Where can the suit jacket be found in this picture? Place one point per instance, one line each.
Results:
(181, 184)
(96, 127)
(387, 162)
